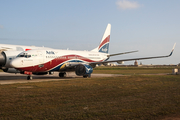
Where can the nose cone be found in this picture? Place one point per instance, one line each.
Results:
(15, 63)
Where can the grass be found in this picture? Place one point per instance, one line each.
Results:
(133, 70)
(127, 97)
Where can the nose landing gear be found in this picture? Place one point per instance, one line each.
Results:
(29, 77)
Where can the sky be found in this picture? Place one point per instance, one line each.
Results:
(149, 26)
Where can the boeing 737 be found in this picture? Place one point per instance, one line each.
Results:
(42, 61)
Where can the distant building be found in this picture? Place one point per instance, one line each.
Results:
(136, 63)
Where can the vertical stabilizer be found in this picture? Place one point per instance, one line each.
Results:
(104, 44)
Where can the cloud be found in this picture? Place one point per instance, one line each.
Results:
(1, 27)
(125, 4)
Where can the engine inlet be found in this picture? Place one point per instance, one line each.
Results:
(2, 59)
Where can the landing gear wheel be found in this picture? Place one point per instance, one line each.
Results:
(85, 76)
(62, 74)
(29, 77)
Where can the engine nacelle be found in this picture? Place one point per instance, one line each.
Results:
(120, 62)
(7, 56)
(83, 69)
(11, 70)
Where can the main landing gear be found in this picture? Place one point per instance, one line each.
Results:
(87, 76)
(62, 74)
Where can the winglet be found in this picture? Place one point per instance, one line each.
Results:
(172, 49)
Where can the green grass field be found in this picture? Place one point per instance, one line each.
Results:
(133, 70)
(126, 97)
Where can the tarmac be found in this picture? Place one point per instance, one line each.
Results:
(11, 78)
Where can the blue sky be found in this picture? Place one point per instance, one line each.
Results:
(150, 26)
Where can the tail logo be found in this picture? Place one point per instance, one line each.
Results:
(104, 46)
(104, 50)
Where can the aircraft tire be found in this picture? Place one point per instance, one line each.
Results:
(29, 77)
(62, 74)
(86, 76)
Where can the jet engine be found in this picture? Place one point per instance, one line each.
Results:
(83, 70)
(6, 57)
(11, 70)
(120, 62)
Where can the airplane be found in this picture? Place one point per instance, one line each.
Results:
(42, 61)
(8, 52)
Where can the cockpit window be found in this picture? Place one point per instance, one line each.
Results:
(27, 56)
(20, 56)
(24, 55)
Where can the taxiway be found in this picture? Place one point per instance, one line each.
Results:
(8, 78)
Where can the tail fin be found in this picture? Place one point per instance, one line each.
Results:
(104, 44)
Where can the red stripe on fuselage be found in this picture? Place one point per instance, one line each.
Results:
(104, 41)
(54, 63)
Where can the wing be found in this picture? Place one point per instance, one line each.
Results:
(121, 53)
(93, 63)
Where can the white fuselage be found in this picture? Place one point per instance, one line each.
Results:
(54, 60)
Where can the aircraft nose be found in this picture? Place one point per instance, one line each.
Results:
(14, 63)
